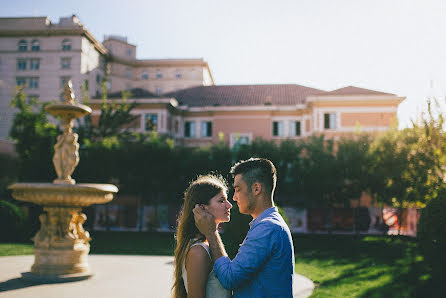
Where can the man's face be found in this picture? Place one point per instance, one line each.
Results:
(243, 195)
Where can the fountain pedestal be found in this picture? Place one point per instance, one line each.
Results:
(61, 246)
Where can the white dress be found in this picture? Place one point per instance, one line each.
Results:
(214, 288)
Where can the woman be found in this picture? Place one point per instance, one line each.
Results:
(193, 273)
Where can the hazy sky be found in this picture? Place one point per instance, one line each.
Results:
(396, 46)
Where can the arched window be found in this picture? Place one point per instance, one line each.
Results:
(145, 75)
(23, 46)
(66, 45)
(35, 45)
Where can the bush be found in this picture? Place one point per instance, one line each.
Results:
(12, 222)
(432, 236)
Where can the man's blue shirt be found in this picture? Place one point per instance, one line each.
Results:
(264, 264)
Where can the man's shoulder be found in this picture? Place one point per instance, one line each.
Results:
(273, 221)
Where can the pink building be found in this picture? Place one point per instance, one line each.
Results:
(204, 115)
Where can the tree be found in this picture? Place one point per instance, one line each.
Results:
(34, 138)
(408, 165)
(112, 119)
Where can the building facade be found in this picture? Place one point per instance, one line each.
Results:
(205, 115)
(41, 56)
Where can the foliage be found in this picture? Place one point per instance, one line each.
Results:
(112, 120)
(8, 173)
(432, 237)
(34, 138)
(12, 221)
(408, 165)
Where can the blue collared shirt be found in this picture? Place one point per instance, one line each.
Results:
(264, 264)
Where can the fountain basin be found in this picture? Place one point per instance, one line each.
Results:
(64, 195)
(68, 111)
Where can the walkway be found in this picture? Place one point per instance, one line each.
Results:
(114, 276)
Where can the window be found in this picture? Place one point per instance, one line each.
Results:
(63, 81)
(33, 83)
(189, 129)
(158, 91)
(151, 122)
(175, 126)
(145, 75)
(98, 78)
(179, 75)
(129, 52)
(65, 62)
(21, 64)
(295, 129)
(159, 75)
(277, 128)
(66, 45)
(23, 46)
(330, 120)
(35, 46)
(128, 73)
(206, 129)
(20, 81)
(34, 64)
(238, 139)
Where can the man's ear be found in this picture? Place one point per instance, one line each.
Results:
(256, 188)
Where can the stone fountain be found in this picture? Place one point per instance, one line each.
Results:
(61, 246)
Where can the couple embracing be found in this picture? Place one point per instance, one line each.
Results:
(264, 264)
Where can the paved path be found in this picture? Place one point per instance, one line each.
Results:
(114, 276)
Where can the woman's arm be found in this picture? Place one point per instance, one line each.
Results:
(198, 266)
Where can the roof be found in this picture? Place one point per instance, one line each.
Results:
(352, 90)
(242, 95)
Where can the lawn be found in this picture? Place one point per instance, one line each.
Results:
(339, 265)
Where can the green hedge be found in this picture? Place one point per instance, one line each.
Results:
(432, 236)
(12, 222)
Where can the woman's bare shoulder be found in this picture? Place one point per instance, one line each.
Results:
(197, 253)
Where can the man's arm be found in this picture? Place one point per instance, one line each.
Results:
(251, 257)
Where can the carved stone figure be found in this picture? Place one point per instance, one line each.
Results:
(81, 234)
(66, 157)
(42, 239)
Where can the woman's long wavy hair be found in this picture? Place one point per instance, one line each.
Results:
(200, 191)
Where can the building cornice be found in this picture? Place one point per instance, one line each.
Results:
(81, 31)
(243, 108)
(350, 98)
(172, 101)
(158, 62)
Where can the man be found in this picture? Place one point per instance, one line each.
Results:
(264, 264)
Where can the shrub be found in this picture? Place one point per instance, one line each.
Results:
(432, 236)
(12, 222)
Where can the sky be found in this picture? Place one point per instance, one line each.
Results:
(395, 46)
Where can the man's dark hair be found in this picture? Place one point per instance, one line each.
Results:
(259, 170)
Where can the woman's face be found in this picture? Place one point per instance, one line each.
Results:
(219, 207)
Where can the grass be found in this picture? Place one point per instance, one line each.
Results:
(15, 249)
(339, 265)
